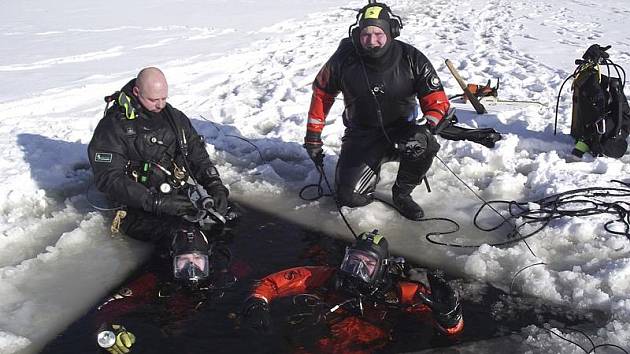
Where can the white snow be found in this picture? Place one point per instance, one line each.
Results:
(244, 68)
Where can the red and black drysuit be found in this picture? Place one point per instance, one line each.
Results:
(133, 151)
(381, 97)
(154, 294)
(349, 332)
(158, 310)
(159, 313)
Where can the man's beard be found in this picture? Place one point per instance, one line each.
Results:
(378, 52)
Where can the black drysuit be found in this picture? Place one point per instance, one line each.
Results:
(381, 106)
(132, 150)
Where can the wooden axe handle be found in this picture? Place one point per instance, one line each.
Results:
(471, 97)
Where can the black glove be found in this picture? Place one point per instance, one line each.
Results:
(255, 315)
(444, 302)
(219, 195)
(212, 183)
(595, 53)
(315, 152)
(169, 204)
(415, 144)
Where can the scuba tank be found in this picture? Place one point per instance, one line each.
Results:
(600, 121)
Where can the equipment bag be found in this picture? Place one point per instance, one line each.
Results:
(600, 120)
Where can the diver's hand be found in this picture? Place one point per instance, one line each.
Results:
(115, 338)
(315, 152)
(219, 194)
(444, 303)
(256, 316)
(169, 204)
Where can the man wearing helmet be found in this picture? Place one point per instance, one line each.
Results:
(190, 251)
(169, 291)
(355, 299)
(382, 80)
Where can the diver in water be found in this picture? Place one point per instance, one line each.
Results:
(359, 302)
(192, 270)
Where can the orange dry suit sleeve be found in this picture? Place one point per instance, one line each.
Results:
(434, 106)
(291, 282)
(325, 88)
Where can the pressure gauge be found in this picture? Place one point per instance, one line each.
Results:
(106, 339)
(165, 188)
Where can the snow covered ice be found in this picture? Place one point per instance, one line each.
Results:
(241, 68)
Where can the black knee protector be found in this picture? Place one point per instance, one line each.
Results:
(419, 144)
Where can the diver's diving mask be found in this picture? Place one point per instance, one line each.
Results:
(360, 264)
(192, 266)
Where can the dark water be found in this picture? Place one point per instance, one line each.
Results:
(262, 244)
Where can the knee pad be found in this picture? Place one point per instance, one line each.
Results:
(420, 144)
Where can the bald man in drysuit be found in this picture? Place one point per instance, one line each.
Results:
(143, 152)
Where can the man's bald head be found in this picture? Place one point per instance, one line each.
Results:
(151, 89)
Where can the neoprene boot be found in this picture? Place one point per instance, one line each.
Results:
(401, 195)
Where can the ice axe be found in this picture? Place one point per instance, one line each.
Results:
(469, 95)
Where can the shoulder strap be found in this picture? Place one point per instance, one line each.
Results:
(181, 140)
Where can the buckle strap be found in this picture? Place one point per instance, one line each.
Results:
(120, 214)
